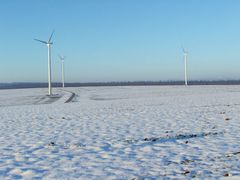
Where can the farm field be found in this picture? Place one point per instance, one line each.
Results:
(142, 132)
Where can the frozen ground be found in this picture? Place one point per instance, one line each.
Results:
(121, 133)
(19, 97)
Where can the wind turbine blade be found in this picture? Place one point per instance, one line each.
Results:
(51, 37)
(60, 57)
(41, 41)
(184, 51)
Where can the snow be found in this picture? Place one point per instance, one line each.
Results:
(120, 133)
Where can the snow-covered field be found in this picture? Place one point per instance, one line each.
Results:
(155, 132)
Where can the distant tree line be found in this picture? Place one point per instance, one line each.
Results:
(129, 83)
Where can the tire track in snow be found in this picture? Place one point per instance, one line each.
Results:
(71, 97)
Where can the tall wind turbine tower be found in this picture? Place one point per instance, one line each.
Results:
(63, 76)
(48, 43)
(185, 55)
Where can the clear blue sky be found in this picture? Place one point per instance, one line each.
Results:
(120, 40)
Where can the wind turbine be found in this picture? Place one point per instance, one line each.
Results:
(62, 59)
(48, 43)
(185, 55)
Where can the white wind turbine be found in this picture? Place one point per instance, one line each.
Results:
(48, 43)
(185, 55)
(63, 76)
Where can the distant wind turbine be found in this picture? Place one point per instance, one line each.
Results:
(62, 60)
(185, 55)
(48, 43)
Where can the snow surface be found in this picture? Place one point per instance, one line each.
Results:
(154, 132)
